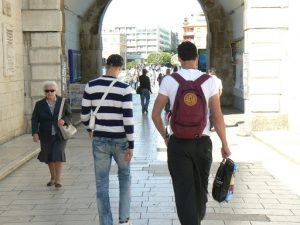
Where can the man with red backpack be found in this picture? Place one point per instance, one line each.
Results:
(191, 93)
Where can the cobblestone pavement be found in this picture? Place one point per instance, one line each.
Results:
(267, 185)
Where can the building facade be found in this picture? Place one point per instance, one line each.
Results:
(114, 43)
(195, 30)
(144, 40)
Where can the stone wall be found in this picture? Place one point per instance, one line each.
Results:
(266, 54)
(43, 24)
(12, 122)
(291, 73)
(74, 13)
(218, 46)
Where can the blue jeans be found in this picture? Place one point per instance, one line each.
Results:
(103, 151)
(145, 98)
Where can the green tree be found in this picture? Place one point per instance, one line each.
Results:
(154, 58)
(131, 64)
(174, 60)
(159, 58)
(166, 58)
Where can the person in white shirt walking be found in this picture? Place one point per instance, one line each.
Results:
(189, 160)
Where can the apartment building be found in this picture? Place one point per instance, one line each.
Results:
(144, 40)
(114, 43)
(195, 29)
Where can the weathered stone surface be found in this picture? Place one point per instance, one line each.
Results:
(256, 18)
(265, 68)
(45, 71)
(266, 86)
(6, 8)
(48, 39)
(266, 35)
(265, 103)
(44, 56)
(42, 20)
(266, 51)
(269, 121)
(268, 3)
(44, 4)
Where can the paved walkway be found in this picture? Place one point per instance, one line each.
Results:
(267, 184)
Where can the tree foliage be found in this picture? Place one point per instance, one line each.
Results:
(131, 64)
(174, 60)
(159, 58)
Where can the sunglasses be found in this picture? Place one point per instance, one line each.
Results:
(47, 91)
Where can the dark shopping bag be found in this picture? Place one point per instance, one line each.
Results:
(139, 90)
(224, 181)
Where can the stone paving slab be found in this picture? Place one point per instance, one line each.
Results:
(15, 153)
(284, 142)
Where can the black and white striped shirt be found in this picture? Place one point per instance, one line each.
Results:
(115, 116)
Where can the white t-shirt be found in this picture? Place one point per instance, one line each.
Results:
(169, 88)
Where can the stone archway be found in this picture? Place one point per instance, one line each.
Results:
(90, 40)
(219, 39)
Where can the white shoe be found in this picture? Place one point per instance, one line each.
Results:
(127, 223)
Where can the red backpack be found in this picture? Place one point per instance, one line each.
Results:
(189, 113)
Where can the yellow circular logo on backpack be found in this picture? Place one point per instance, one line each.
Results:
(190, 99)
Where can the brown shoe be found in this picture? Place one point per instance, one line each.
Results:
(57, 185)
(50, 183)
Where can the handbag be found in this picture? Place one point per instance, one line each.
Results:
(67, 130)
(222, 189)
(92, 122)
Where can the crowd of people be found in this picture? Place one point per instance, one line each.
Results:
(189, 159)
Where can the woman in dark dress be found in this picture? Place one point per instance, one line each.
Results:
(45, 129)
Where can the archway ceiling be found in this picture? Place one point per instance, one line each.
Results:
(229, 5)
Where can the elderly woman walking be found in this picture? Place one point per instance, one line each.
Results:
(45, 129)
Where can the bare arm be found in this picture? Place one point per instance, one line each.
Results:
(159, 104)
(218, 121)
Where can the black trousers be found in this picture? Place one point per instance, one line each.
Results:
(189, 163)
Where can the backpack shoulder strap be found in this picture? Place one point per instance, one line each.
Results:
(200, 80)
(178, 78)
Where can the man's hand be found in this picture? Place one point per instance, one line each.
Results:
(167, 140)
(90, 134)
(225, 152)
(35, 138)
(128, 154)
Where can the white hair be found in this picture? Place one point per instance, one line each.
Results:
(52, 83)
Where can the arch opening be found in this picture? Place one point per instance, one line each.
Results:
(220, 41)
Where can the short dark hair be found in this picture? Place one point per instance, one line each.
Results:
(187, 51)
(114, 60)
(144, 71)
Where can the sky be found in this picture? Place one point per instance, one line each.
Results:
(166, 13)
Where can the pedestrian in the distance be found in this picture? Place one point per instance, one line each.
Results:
(145, 87)
(45, 129)
(159, 78)
(167, 106)
(189, 159)
(112, 137)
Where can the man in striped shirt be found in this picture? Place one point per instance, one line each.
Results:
(112, 137)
